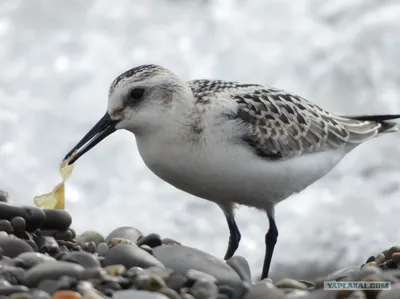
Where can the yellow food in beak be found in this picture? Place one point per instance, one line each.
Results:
(56, 198)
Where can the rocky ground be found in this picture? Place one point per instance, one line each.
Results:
(42, 257)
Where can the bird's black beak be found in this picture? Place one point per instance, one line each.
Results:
(104, 127)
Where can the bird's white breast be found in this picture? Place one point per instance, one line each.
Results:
(221, 170)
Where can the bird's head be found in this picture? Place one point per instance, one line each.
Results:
(138, 100)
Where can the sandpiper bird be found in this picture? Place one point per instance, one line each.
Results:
(228, 142)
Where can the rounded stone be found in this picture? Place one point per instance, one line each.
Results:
(19, 225)
(33, 216)
(90, 236)
(291, 284)
(66, 295)
(380, 258)
(199, 275)
(152, 240)
(130, 256)
(129, 294)
(11, 274)
(102, 248)
(171, 294)
(9, 290)
(57, 219)
(125, 232)
(51, 270)
(182, 258)
(65, 235)
(241, 266)
(28, 260)
(115, 270)
(47, 244)
(396, 256)
(6, 226)
(85, 259)
(12, 247)
(262, 290)
(169, 241)
(39, 294)
(204, 289)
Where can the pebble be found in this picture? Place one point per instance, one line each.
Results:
(135, 294)
(19, 225)
(241, 266)
(11, 274)
(56, 219)
(380, 258)
(125, 232)
(204, 289)
(90, 236)
(130, 256)
(152, 240)
(85, 259)
(28, 260)
(66, 295)
(51, 270)
(182, 258)
(6, 226)
(291, 284)
(12, 247)
(12, 289)
(34, 217)
(396, 256)
(115, 270)
(264, 290)
(102, 248)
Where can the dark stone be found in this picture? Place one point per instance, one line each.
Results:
(11, 274)
(241, 266)
(182, 258)
(47, 244)
(48, 285)
(130, 256)
(82, 258)
(57, 219)
(65, 235)
(12, 247)
(6, 226)
(177, 281)
(51, 270)
(28, 260)
(19, 225)
(152, 240)
(9, 290)
(33, 216)
(125, 232)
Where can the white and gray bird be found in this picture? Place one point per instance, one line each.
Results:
(230, 143)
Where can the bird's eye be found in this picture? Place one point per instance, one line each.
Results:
(136, 94)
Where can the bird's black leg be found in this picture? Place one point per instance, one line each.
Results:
(270, 241)
(234, 237)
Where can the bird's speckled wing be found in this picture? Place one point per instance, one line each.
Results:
(283, 125)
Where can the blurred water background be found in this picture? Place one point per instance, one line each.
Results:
(58, 58)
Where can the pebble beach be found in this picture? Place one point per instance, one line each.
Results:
(41, 256)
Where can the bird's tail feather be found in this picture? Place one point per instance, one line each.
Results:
(363, 127)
